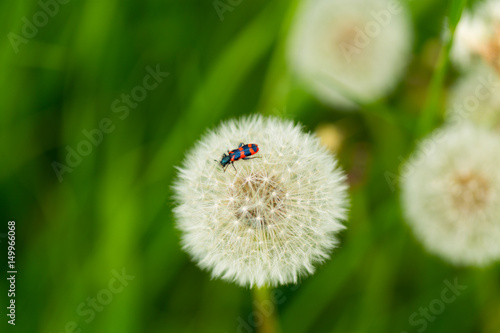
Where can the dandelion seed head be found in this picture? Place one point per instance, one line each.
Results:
(477, 36)
(475, 98)
(350, 51)
(451, 195)
(278, 230)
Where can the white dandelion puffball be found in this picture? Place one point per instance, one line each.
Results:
(475, 98)
(350, 51)
(451, 195)
(270, 221)
(477, 36)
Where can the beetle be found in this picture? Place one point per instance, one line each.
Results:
(242, 152)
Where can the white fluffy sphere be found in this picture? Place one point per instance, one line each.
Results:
(451, 195)
(477, 36)
(274, 218)
(475, 98)
(350, 51)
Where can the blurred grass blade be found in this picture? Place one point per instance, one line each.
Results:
(430, 114)
(223, 80)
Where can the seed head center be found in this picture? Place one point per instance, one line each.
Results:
(490, 51)
(258, 200)
(470, 192)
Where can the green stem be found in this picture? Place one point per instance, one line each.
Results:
(265, 305)
(430, 115)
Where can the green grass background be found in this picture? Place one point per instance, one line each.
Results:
(114, 210)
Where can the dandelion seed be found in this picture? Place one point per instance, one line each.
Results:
(451, 195)
(350, 51)
(274, 237)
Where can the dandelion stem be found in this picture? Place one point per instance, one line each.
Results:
(264, 305)
(430, 114)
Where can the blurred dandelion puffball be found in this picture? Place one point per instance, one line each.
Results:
(270, 221)
(475, 98)
(477, 36)
(350, 51)
(451, 195)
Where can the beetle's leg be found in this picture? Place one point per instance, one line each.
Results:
(241, 145)
(232, 163)
(251, 158)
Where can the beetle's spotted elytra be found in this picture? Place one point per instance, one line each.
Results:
(244, 151)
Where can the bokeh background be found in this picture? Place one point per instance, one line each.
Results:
(113, 211)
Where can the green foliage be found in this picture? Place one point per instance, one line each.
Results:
(114, 209)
